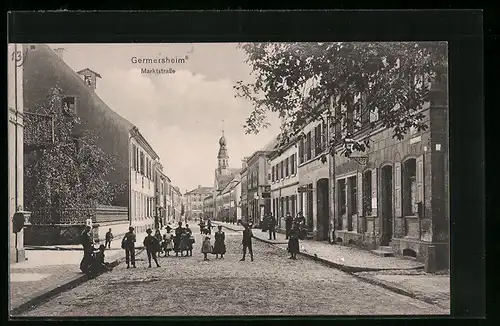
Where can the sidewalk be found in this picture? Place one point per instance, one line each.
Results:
(400, 275)
(49, 271)
(346, 258)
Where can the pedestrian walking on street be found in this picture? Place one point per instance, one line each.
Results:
(220, 246)
(209, 226)
(288, 225)
(152, 247)
(206, 248)
(87, 242)
(109, 238)
(179, 231)
(272, 227)
(247, 242)
(128, 243)
(202, 226)
(293, 242)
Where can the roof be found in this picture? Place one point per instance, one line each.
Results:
(201, 190)
(87, 69)
(224, 180)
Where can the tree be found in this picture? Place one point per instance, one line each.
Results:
(341, 84)
(72, 172)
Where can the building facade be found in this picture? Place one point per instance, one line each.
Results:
(194, 202)
(209, 207)
(177, 205)
(142, 183)
(399, 199)
(227, 201)
(244, 191)
(161, 196)
(259, 204)
(284, 183)
(314, 185)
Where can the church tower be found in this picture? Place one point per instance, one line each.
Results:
(223, 157)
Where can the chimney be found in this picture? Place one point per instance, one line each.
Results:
(60, 52)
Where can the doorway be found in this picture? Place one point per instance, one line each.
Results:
(386, 205)
(323, 216)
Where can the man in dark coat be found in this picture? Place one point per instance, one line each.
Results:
(288, 224)
(272, 227)
(247, 242)
(109, 238)
(209, 226)
(88, 248)
(128, 243)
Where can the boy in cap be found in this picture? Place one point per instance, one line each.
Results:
(152, 247)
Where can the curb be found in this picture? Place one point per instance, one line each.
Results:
(46, 296)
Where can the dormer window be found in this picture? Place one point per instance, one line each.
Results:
(88, 80)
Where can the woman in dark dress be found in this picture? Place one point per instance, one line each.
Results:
(219, 246)
(293, 242)
(177, 239)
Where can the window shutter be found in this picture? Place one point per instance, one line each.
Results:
(397, 189)
(420, 179)
(374, 192)
(360, 194)
(313, 142)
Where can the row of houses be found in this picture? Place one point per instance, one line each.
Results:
(392, 197)
(149, 197)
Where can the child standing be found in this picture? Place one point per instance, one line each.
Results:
(152, 247)
(206, 248)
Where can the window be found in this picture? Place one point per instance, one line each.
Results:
(374, 115)
(353, 194)
(308, 146)
(134, 158)
(287, 167)
(342, 196)
(282, 170)
(367, 193)
(318, 139)
(301, 151)
(69, 105)
(273, 174)
(88, 80)
(142, 163)
(409, 188)
(292, 165)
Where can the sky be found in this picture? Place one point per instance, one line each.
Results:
(180, 114)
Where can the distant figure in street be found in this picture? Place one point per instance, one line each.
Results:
(186, 244)
(206, 248)
(209, 226)
(247, 242)
(272, 227)
(109, 238)
(159, 238)
(219, 246)
(288, 225)
(179, 231)
(152, 247)
(293, 242)
(168, 243)
(128, 243)
(87, 242)
(202, 226)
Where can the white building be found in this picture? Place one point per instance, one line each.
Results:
(284, 182)
(142, 186)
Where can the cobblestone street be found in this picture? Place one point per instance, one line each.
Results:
(271, 285)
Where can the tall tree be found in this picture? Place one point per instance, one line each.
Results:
(72, 172)
(341, 84)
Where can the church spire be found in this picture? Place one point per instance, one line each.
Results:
(223, 156)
